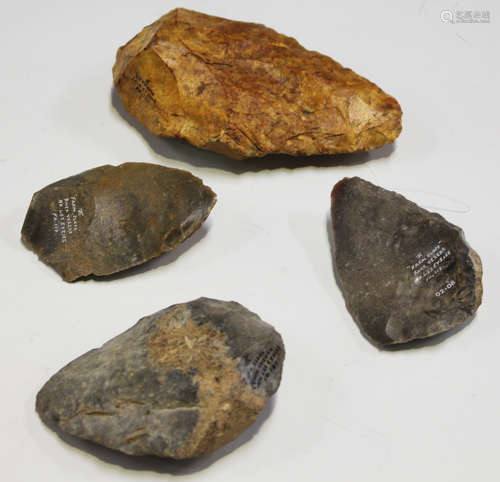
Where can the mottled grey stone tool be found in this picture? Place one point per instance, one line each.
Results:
(111, 218)
(180, 383)
(405, 273)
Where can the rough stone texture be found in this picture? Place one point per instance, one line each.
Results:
(244, 90)
(405, 273)
(180, 383)
(111, 218)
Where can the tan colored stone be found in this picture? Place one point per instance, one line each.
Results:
(244, 90)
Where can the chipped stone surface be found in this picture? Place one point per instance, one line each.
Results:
(405, 273)
(180, 383)
(111, 218)
(244, 90)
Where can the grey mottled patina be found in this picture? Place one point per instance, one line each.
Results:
(111, 218)
(405, 273)
(164, 389)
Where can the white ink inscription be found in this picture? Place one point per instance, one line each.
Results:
(65, 217)
(429, 265)
(449, 284)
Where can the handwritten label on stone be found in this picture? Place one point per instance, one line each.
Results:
(263, 366)
(65, 217)
(429, 264)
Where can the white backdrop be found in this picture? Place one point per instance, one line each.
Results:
(345, 410)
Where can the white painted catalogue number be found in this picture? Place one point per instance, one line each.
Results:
(449, 284)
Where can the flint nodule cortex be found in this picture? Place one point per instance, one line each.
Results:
(180, 383)
(111, 218)
(405, 273)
